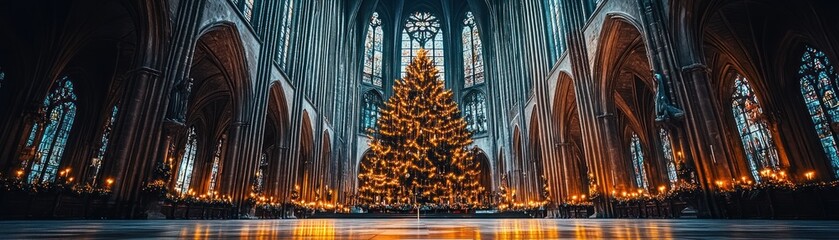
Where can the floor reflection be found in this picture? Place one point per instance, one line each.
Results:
(423, 229)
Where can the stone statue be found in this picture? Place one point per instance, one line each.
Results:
(665, 110)
(179, 100)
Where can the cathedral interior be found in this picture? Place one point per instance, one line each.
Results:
(220, 109)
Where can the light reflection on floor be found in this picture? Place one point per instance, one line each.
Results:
(424, 229)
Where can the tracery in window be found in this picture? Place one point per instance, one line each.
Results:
(104, 141)
(422, 30)
(370, 110)
(187, 163)
(373, 52)
(214, 170)
(667, 150)
(473, 62)
(48, 138)
(638, 161)
(555, 28)
(248, 10)
(753, 128)
(285, 32)
(818, 81)
(474, 112)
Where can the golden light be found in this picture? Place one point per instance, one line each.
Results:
(109, 182)
(810, 175)
(661, 188)
(19, 173)
(720, 183)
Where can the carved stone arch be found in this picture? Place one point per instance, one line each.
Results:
(485, 178)
(303, 171)
(323, 182)
(221, 43)
(618, 34)
(535, 165)
(278, 111)
(519, 164)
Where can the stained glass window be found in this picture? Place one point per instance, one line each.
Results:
(214, 170)
(667, 151)
(818, 85)
(285, 32)
(474, 112)
(373, 52)
(370, 110)
(96, 164)
(51, 133)
(752, 127)
(557, 39)
(422, 30)
(473, 59)
(638, 161)
(248, 10)
(187, 163)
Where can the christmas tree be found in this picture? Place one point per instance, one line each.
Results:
(419, 149)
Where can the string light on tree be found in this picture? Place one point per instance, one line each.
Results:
(419, 149)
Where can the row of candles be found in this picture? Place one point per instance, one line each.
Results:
(66, 172)
(770, 176)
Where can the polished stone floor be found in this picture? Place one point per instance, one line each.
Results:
(423, 229)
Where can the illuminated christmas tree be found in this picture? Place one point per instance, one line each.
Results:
(419, 149)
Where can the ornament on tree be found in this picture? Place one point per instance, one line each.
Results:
(419, 149)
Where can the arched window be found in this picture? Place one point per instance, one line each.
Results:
(752, 127)
(473, 57)
(557, 39)
(187, 162)
(48, 137)
(96, 164)
(248, 10)
(638, 161)
(423, 31)
(285, 32)
(370, 110)
(474, 111)
(818, 85)
(667, 150)
(214, 170)
(373, 52)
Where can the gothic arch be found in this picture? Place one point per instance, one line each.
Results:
(566, 177)
(323, 170)
(535, 166)
(485, 178)
(275, 145)
(626, 93)
(220, 47)
(770, 62)
(303, 170)
(516, 171)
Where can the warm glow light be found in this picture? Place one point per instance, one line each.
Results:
(810, 175)
(109, 182)
(19, 173)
